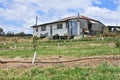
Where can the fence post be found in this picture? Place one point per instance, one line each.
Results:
(35, 48)
(33, 61)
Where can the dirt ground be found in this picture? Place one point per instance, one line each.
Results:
(55, 61)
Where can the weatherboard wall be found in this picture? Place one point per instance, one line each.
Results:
(55, 31)
(60, 32)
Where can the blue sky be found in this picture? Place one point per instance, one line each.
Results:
(109, 4)
(19, 15)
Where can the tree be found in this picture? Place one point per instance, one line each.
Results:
(10, 34)
(1, 31)
(21, 34)
(3, 35)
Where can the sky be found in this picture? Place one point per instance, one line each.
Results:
(19, 15)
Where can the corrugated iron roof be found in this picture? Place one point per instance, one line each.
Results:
(69, 18)
(81, 17)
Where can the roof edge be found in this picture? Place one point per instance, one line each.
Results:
(69, 18)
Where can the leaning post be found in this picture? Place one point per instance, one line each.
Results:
(35, 44)
(35, 49)
(34, 58)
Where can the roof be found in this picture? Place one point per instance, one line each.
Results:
(114, 26)
(69, 18)
(81, 17)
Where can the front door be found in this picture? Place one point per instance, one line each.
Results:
(74, 28)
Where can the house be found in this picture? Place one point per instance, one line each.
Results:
(113, 28)
(69, 26)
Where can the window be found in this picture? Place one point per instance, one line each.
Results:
(43, 28)
(59, 26)
(36, 29)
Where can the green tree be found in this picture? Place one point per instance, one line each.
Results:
(10, 34)
(3, 35)
(21, 34)
(1, 31)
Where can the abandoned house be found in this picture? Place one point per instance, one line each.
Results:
(69, 26)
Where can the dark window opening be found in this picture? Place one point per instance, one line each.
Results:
(51, 29)
(89, 26)
(36, 29)
(59, 26)
(43, 28)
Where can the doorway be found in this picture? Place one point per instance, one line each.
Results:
(74, 28)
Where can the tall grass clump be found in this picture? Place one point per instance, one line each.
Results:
(117, 43)
(35, 43)
(110, 34)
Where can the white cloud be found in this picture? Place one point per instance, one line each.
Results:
(26, 10)
(101, 13)
(16, 29)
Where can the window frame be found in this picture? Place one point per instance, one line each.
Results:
(59, 26)
(43, 28)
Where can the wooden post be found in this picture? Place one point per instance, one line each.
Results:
(33, 61)
(15, 42)
(35, 44)
(35, 48)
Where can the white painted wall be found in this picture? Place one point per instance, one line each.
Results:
(46, 31)
(61, 32)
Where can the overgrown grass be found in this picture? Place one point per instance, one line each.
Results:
(78, 48)
(118, 43)
(102, 72)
